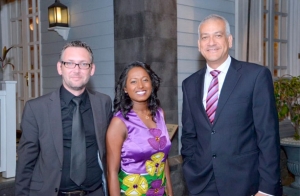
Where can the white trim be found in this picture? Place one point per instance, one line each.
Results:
(256, 32)
(62, 31)
(294, 44)
(241, 20)
(5, 24)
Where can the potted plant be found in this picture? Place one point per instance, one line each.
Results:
(6, 66)
(287, 95)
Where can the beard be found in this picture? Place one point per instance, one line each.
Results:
(73, 86)
(77, 88)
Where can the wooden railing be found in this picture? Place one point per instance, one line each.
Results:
(8, 128)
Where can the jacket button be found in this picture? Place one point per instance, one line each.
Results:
(213, 132)
(214, 155)
(56, 189)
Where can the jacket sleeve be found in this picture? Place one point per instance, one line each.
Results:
(28, 151)
(267, 130)
(188, 138)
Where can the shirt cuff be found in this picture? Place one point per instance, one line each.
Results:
(265, 193)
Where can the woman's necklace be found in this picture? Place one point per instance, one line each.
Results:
(147, 116)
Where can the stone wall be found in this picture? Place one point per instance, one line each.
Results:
(146, 30)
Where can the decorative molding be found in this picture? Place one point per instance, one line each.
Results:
(62, 31)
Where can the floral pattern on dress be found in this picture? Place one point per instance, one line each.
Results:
(157, 189)
(157, 142)
(155, 165)
(142, 170)
(137, 184)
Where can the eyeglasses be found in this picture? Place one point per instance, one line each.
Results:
(72, 65)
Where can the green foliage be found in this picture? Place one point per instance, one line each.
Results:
(287, 95)
(3, 58)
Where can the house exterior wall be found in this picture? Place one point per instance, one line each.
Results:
(91, 21)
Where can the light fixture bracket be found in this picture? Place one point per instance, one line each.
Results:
(62, 31)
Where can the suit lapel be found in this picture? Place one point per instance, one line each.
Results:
(230, 82)
(98, 115)
(54, 109)
(200, 89)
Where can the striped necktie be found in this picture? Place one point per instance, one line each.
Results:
(212, 96)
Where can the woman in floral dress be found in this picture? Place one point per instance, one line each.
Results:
(137, 139)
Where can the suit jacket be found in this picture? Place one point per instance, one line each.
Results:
(40, 150)
(241, 149)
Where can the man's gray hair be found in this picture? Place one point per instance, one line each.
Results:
(78, 44)
(217, 17)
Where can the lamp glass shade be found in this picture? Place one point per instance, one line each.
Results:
(58, 15)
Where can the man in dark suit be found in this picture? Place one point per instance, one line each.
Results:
(230, 136)
(45, 148)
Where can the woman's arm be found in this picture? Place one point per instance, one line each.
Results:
(116, 134)
(167, 172)
(169, 183)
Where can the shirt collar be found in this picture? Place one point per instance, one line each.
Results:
(223, 68)
(67, 97)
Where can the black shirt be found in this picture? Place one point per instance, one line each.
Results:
(93, 171)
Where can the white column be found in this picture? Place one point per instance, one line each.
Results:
(294, 40)
(10, 132)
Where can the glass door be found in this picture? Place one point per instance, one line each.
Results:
(24, 34)
(275, 45)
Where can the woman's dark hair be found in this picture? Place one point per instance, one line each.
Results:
(122, 101)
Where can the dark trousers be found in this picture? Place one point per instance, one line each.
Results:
(210, 189)
(98, 192)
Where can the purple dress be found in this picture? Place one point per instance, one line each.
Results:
(143, 156)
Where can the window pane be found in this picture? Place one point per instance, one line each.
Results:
(275, 73)
(30, 29)
(30, 6)
(20, 59)
(275, 54)
(37, 28)
(21, 78)
(283, 54)
(36, 6)
(20, 31)
(13, 11)
(277, 7)
(34, 59)
(31, 25)
(13, 30)
(284, 6)
(266, 5)
(284, 27)
(265, 52)
(18, 8)
(265, 29)
(32, 78)
(31, 60)
(38, 55)
(276, 34)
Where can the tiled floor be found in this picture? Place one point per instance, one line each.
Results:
(7, 186)
(6, 180)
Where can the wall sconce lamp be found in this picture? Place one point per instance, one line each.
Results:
(58, 19)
